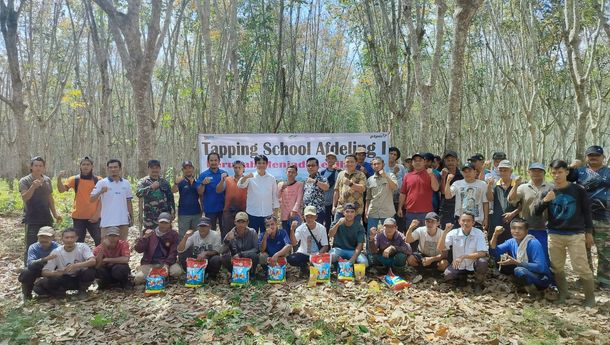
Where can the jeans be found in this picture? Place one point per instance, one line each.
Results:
(531, 278)
(298, 259)
(410, 216)
(215, 218)
(257, 223)
(82, 226)
(347, 254)
(57, 286)
(542, 237)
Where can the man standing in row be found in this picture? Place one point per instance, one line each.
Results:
(262, 200)
(38, 203)
(379, 195)
(114, 193)
(350, 188)
(156, 195)
(314, 190)
(416, 192)
(330, 174)
(235, 198)
(85, 214)
(211, 186)
(189, 207)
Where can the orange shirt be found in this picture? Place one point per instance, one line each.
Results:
(235, 198)
(83, 208)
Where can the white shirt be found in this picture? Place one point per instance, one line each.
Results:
(470, 197)
(114, 201)
(211, 242)
(427, 243)
(466, 244)
(262, 195)
(80, 253)
(308, 245)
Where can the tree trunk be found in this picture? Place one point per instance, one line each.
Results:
(464, 12)
(9, 16)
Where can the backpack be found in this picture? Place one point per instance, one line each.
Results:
(77, 179)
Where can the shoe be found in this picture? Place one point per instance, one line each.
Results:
(81, 295)
(533, 291)
(26, 293)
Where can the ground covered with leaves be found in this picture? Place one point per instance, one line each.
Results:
(429, 312)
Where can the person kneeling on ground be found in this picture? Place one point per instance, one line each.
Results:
(522, 256)
(427, 254)
(310, 237)
(348, 238)
(242, 242)
(274, 243)
(205, 244)
(469, 252)
(387, 247)
(112, 261)
(71, 268)
(39, 254)
(159, 249)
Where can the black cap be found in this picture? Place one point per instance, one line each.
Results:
(428, 156)
(450, 153)
(154, 163)
(417, 154)
(187, 163)
(468, 166)
(476, 157)
(86, 158)
(594, 150)
(349, 206)
(499, 156)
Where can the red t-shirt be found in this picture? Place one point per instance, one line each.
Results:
(121, 249)
(416, 186)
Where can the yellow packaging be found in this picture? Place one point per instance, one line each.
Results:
(359, 272)
(313, 277)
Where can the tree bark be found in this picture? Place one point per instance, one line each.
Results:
(465, 10)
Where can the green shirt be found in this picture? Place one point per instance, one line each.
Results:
(348, 237)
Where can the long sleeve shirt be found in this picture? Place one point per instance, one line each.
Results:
(262, 194)
(248, 243)
(398, 241)
(291, 199)
(536, 260)
(569, 213)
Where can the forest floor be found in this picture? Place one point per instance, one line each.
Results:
(428, 312)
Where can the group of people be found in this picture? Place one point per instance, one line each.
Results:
(430, 214)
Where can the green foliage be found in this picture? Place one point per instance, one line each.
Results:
(17, 326)
(100, 321)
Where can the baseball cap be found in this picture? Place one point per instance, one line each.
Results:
(536, 166)
(360, 150)
(86, 158)
(331, 153)
(112, 230)
(418, 154)
(204, 221)
(499, 156)
(432, 215)
(46, 231)
(467, 166)
(241, 216)
(165, 217)
(389, 221)
(310, 211)
(349, 206)
(450, 153)
(505, 164)
(428, 156)
(187, 163)
(594, 150)
(154, 163)
(476, 157)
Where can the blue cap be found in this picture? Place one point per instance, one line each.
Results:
(536, 166)
(594, 150)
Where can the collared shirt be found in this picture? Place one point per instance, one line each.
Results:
(400, 171)
(114, 201)
(418, 191)
(262, 194)
(463, 244)
(500, 203)
(380, 196)
(314, 195)
(37, 209)
(347, 194)
(331, 178)
(368, 168)
(156, 201)
(188, 204)
(213, 202)
(276, 243)
(527, 194)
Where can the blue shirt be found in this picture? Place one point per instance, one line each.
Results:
(597, 185)
(276, 244)
(367, 167)
(436, 196)
(212, 202)
(189, 198)
(535, 255)
(35, 251)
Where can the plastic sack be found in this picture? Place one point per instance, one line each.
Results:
(195, 272)
(276, 273)
(241, 271)
(346, 270)
(395, 282)
(155, 281)
(322, 263)
(313, 277)
(359, 272)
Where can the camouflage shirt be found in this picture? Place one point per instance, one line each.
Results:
(155, 201)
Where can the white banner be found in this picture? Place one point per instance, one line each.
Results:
(286, 149)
